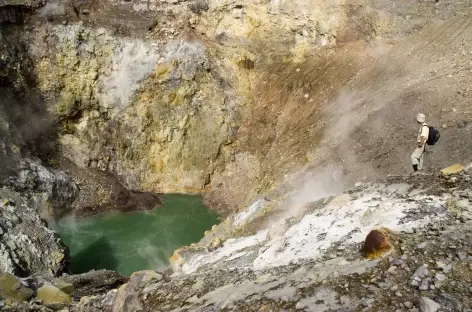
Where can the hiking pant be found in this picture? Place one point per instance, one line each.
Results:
(417, 157)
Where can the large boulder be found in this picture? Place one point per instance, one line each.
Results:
(64, 286)
(126, 299)
(91, 283)
(454, 169)
(12, 290)
(51, 191)
(49, 294)
(377, 243)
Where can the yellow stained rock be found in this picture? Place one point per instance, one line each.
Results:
(454, 169)
(164, 69)
(216, 242)
(176, 261)
(12, 290)
(49, 294)
(58, 257)
(65, 287)
(145, 97)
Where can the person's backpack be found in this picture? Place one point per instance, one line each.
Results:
(433, 136)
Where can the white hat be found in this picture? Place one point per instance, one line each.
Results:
(421, 117)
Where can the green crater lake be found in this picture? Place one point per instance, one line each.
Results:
(139, 240)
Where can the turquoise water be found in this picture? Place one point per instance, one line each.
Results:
(139, 240)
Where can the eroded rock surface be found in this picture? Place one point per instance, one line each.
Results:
(229, 99)
(101, 192)
(244, 102)
(317, 262)
(27, 245)
(49, 294)
(94, 282)
(312, 268)
(51, 192)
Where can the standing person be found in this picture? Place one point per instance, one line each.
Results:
(423, 133)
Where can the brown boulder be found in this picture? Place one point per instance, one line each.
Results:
(377, 243)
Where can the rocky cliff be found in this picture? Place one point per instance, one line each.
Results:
(229, 99)
(27, 245)
(268, 107)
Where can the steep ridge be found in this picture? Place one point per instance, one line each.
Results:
(214, 105)
(359, 109)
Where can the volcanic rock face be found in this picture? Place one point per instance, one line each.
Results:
(50, 192)
(27, 246)
(239, 100)
(158, 126)
(229, 99)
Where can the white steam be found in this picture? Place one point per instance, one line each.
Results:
(132, 62)
(316, 184)
(155, 255)
(52, 9)
(306, 186)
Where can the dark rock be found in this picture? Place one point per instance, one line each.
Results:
(449, 302)
(114, 196)
(462, 124)
(199, 6)
(94, 282)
